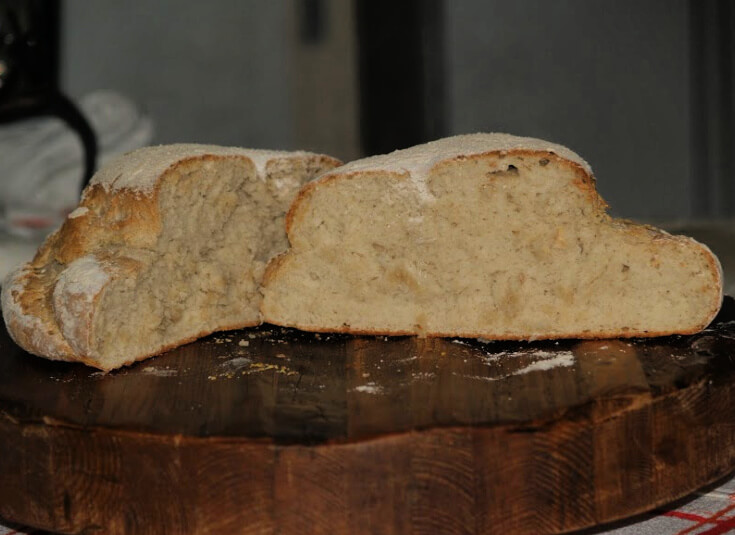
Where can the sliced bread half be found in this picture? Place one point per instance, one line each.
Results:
(485, 235)
(168, 244)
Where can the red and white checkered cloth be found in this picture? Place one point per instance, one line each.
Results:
(710, 512)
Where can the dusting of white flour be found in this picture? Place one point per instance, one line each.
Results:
(159, 372)
(79, 212)
(369, 388)
(545, 360)
(236, 363)
(417, 162)
(141, 169)
(561, 360)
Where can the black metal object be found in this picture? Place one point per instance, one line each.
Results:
(712, 75)
(401, 73)
(29, 71)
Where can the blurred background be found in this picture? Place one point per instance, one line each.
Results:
(643, 89)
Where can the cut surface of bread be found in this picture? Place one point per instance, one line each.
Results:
(484, 235)
(168, 244)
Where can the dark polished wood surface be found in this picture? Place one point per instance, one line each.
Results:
(272, 430)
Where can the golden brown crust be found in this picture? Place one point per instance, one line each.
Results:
(273, 266)
(124, 217)
(25, 312)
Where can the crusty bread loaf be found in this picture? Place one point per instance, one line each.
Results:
(168, 244)
(485, 235)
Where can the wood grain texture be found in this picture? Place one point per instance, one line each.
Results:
(271, 430)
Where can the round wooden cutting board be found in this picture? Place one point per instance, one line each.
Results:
(272, 430)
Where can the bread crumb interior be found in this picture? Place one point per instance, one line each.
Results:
(221, 224)
(515, 246)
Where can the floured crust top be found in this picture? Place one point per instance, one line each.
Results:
(419, 160)
(140, 170)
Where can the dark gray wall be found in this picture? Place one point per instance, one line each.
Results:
(214, 72)
(610, 79)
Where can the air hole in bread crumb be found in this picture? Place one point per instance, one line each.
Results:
(510, 170)
(543, 162)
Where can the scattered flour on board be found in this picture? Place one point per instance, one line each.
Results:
(548, 360)
(493, 358)
(423, 376)
(369, 388)
(236, 363)
(159, 372)
(560, 360)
